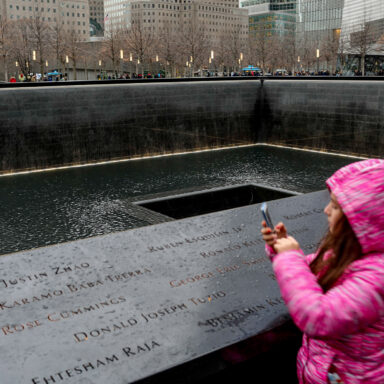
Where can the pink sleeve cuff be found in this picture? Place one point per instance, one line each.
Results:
(271, 253)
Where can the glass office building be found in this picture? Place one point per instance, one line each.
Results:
(359, 15)
(352, 28)
(271, 17)
(362, 35)
(319, 18)
(345, 34)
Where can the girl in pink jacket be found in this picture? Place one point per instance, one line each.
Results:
(336, 296)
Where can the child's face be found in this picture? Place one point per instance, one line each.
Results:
(333, 211)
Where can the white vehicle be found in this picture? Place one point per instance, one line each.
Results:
(281, 72)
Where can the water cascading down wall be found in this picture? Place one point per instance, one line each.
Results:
(52, 126)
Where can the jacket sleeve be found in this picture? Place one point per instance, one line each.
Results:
(271, 253)
(355, 303)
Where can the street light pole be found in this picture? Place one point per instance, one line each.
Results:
(192, 66)
(240, 61)
(122, 61)
(66, 67)
(317, 59)
(137, 67)
(298, 64)
(34, 59)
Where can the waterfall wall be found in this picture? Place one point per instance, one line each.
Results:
(50, 126)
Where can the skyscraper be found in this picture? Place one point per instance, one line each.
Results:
(358, 13)
(271, 17)
(319, 18)
(362, 36)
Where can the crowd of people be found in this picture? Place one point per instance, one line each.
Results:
(206, 73)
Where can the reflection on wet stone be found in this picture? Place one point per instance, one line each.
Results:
(55, 207)
(130, 305)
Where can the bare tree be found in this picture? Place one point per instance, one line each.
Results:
(5, 44)
(73, 49)
(277, 56)
(288, 52)
(167, 47)
(40, 37)
(222, 52)
(342, 53)
(87, 58)
(192, 43)
(329, 47)
(21, 45)
(362, 42)
(58, 39)
(139, 40)
(259, 47)
(307, 51)
(236, 46)
(111, 47)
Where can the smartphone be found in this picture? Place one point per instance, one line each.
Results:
(266, 216)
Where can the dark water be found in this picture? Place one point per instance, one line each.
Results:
(50, 207)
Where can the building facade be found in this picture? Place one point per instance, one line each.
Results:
(96, 17)
(358, 14)
(362, 35)
(349, 29)
(271, 17)
(319, 18)
(218, 18)
(72, 15)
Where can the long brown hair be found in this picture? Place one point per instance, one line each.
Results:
(345, 249)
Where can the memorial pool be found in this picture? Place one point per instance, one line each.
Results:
(39, 209)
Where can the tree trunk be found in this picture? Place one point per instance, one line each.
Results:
(5, 68)
(74, 70)
(41, 65)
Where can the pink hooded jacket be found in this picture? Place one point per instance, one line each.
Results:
(344, 326)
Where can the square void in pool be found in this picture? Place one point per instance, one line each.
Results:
(212, 200)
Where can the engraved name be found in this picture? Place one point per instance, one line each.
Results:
(238, 316)
(192, 240)
(71, 288)
(131, 351)
(302, 214)
(59, 316)
(57, 270)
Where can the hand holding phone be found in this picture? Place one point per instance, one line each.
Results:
(269, 231)
(266, 216)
